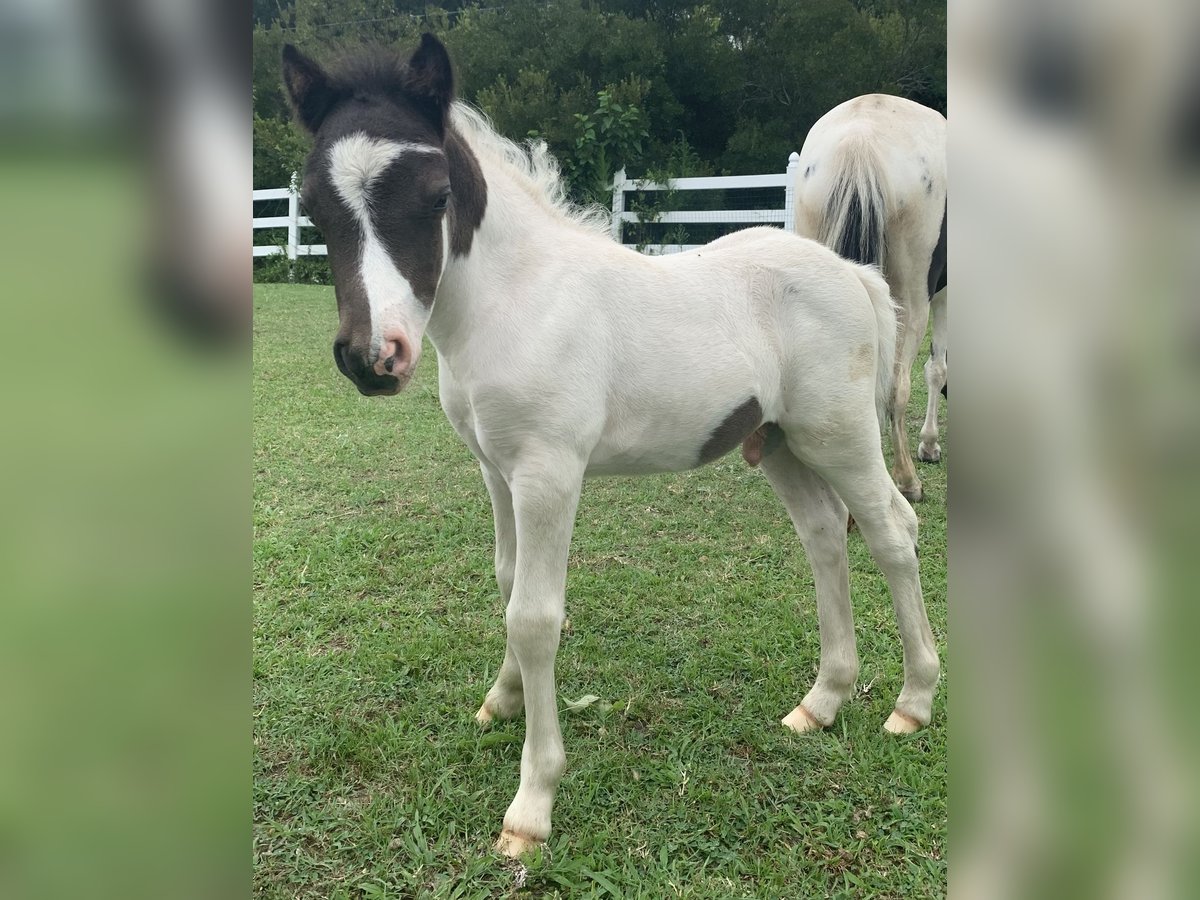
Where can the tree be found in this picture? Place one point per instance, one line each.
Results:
(740, 82)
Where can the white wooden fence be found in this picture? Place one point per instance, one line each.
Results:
(293, 222)
(785, 216)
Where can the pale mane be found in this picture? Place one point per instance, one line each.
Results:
(532, 165)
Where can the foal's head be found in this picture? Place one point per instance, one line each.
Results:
(377, 184)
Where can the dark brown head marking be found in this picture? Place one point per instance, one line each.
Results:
(391, 180)
(470, 194)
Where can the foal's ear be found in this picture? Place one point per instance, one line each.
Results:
(311, 92)
(429, 80)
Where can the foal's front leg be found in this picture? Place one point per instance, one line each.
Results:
(504, 700)
(544, 502)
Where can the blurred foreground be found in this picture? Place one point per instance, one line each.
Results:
(125, 535)
(1075, 151)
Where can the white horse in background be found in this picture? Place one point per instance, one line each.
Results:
(871, 184)
(562, 354)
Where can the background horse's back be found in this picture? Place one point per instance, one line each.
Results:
(872, 186)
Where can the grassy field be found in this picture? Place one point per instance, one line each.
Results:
(378, 629)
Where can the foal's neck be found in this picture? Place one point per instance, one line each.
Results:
(518, 228)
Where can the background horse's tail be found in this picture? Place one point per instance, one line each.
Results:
(856, 208)
(852, 223)
(885, 337)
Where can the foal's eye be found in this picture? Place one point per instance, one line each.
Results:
(440, 204)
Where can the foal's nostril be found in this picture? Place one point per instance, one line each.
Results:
(356, 365)
(395, 356)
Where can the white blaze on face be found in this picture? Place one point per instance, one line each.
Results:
(355, 164)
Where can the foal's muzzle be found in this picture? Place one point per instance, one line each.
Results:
(359, 369)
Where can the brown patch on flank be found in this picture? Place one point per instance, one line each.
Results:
(732, 431)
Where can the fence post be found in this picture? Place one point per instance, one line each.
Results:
(293, 230)
(618, 203)
(789, 193)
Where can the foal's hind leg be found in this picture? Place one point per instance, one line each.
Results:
(935, 380)
(506, 698)
(820, 520)
(856, 470)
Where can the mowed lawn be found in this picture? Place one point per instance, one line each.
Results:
(378, 629)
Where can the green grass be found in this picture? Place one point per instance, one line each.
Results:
(378, 629)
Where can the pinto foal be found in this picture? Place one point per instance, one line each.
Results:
(562, 354)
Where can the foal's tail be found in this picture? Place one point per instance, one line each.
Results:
(856, 209)
(885, 338)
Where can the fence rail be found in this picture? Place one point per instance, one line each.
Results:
(293, 222)
(785, 216)
(713, 216)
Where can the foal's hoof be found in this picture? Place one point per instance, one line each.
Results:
(913, 494)
(930, 456)
(801, 720)
(899, 723)
(499, 706)
(513, 845)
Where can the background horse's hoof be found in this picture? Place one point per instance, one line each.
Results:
(913, 495)
(801, 720)
(930, 456)
(899, 723)
(513, 845)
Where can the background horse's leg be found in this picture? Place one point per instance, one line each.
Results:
(820, 516)
(911, 293)
(935, 379)
(505, 700)
(544, 502)
(889, 526)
